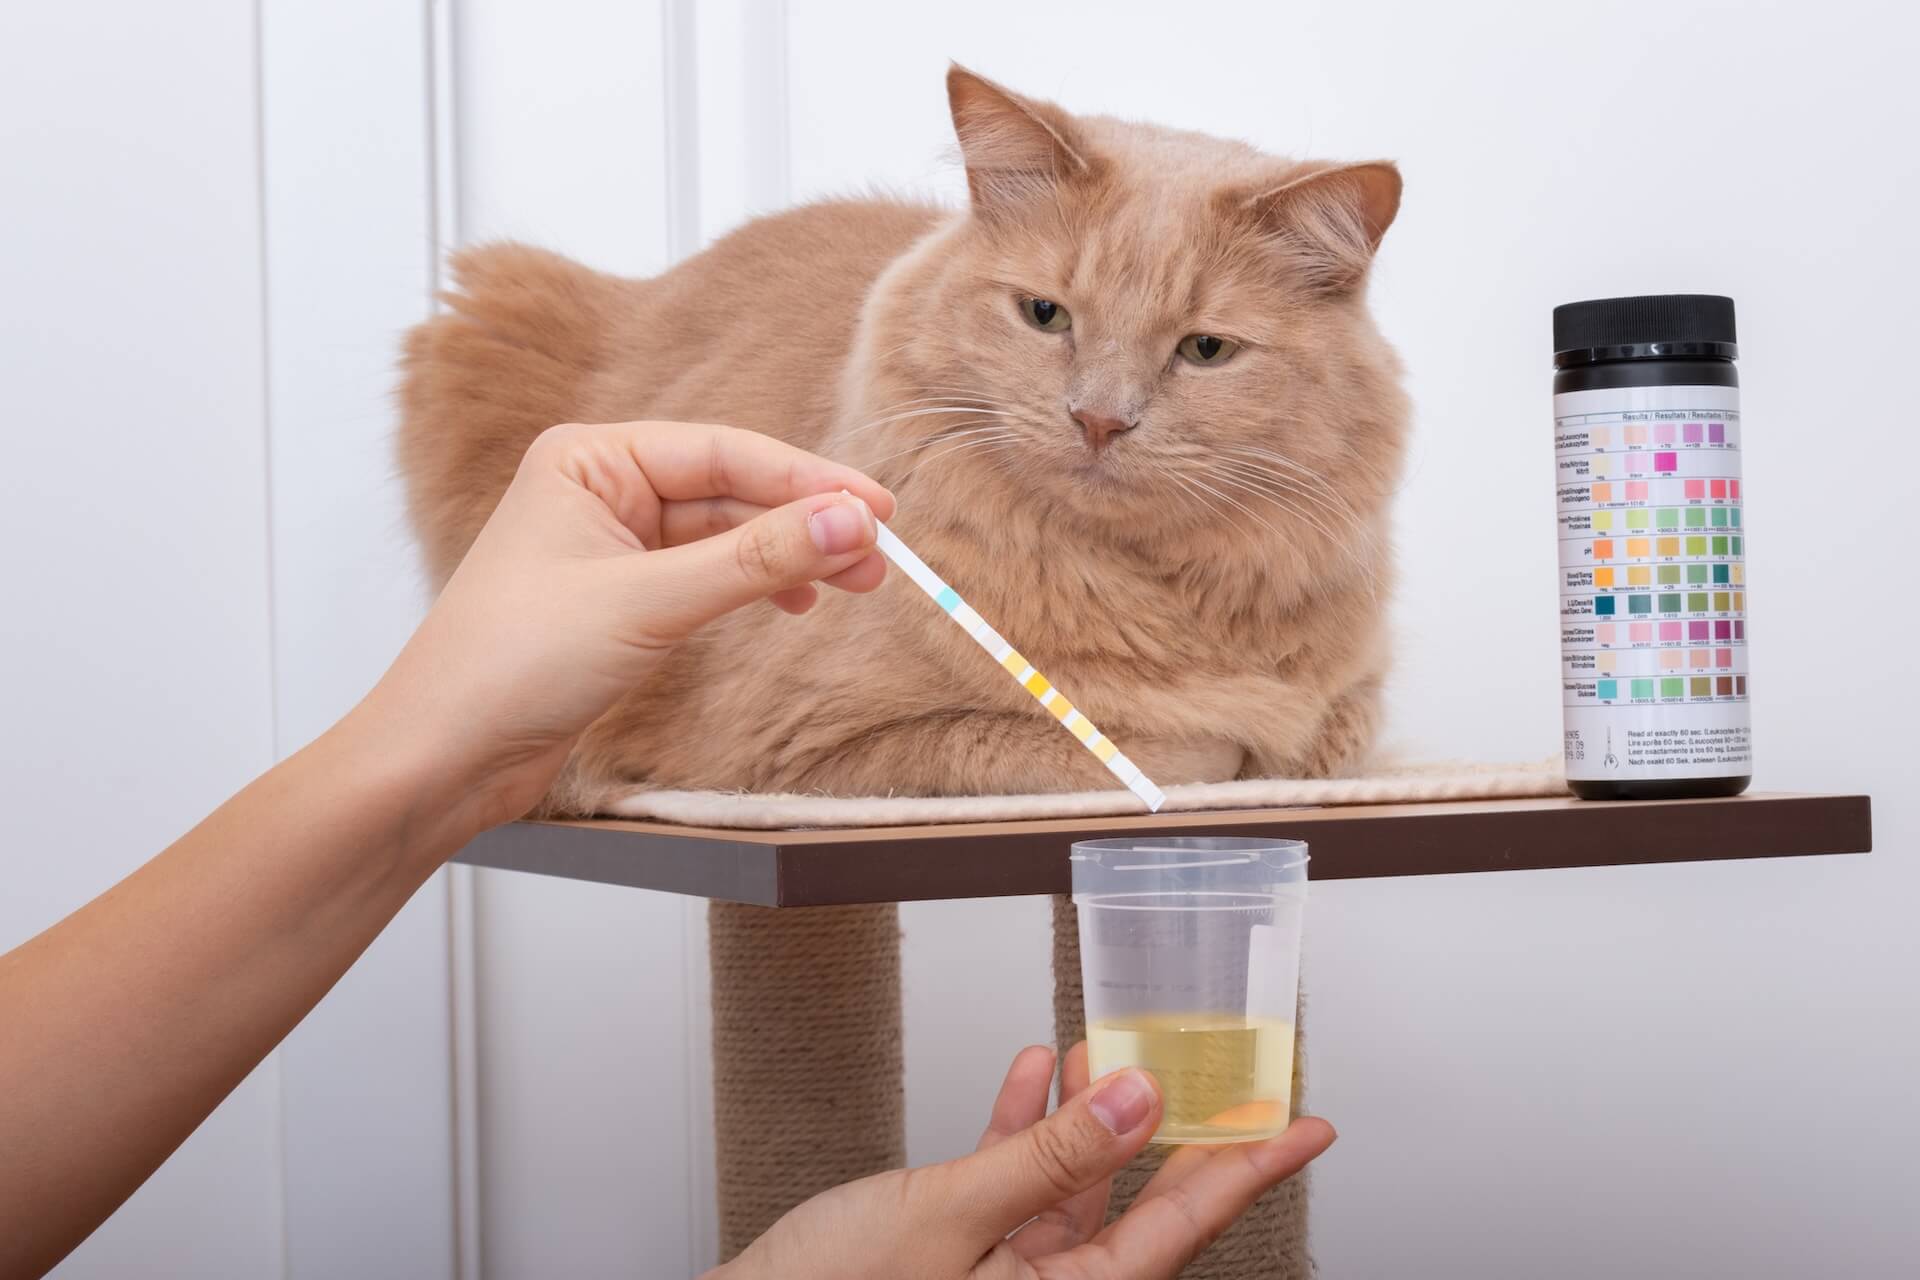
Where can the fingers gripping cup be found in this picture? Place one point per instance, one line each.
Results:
(1190, 963)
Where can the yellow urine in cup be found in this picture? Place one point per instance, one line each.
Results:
(1223, 1077)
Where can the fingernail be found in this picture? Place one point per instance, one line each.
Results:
(845, 526)
(1123, 1102)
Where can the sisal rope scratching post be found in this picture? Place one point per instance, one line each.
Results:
(807, 1067)
(1270, 1241)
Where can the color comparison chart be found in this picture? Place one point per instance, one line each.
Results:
(1653, 574)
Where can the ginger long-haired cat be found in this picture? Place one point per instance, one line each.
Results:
(1130, 400)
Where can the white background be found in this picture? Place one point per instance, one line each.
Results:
(217, 221)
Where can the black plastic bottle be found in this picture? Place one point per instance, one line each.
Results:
(1653, 606)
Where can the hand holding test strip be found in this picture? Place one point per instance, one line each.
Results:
(1019, 668)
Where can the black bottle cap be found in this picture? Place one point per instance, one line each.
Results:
(1660, 326)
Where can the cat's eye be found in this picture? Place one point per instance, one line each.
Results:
(1050, 316)
(1204, 348)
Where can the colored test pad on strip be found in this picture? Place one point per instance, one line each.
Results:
(1019, 668)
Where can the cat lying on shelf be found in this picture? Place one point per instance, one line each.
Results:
(1131, 402)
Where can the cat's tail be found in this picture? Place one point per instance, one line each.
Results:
(522, 333)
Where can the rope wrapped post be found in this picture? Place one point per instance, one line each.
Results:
(808, 1077)
(1270, 1240)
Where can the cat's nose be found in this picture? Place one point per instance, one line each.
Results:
(1100, 427)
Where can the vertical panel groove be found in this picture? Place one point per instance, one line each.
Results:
(267, 554)
(768, 107)
(680, 86)
(443, 233)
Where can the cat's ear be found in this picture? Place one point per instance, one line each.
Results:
(1330, 219)
(1015, 148)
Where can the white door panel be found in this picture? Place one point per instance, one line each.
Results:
(133, 517)
(349, 196)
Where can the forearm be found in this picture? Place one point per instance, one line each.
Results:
(128, 1022)
(125, 1024)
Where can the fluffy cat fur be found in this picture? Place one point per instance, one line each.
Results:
(1205, 575)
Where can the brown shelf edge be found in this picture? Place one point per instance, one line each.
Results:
(625, 855)
(1015, 859)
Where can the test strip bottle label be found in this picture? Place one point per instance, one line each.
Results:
(1653, 583)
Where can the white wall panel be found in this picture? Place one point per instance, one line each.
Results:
(1591, 1073)
(349, 194)
(133, 519)
(976, 988)
(561, 128)
(741, 84)
(584, 1082)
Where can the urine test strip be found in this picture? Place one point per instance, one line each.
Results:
(1019, 668)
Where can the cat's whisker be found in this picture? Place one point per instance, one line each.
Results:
(1300, 482)
(989, 443)
(1345, 547)
(981, 437)
(1233, 503)
(1297, 472)
(1192, 492)
(936, 438)
(942, 402)
(928, 411)
(1237, 505)
(1291, 464)
(964, 396)
(943, 393)
(1329, 503)
(1281, 485)
(931, 411)
(1262, 457)
(1278, 500)
(1291, 499)
(894, 350)
(953, 432)
(1288, 547)
(1335, 507)
(950, 398)
(937, 458)
(938, 399)
(1282, 490)
(963, 390)
(950, 431)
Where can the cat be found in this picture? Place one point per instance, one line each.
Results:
(1133, 407)
(1130, 400)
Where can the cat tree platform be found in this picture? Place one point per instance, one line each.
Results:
(846, 866)
(772, 1050)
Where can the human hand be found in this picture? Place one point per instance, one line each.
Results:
(1029, 1204)
(612, 545)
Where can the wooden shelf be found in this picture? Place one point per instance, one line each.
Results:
(1012, 859)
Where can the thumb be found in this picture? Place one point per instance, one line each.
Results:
(1094, 1133)
(805, 541)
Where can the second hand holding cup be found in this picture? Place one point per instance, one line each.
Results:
(1190, 964)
